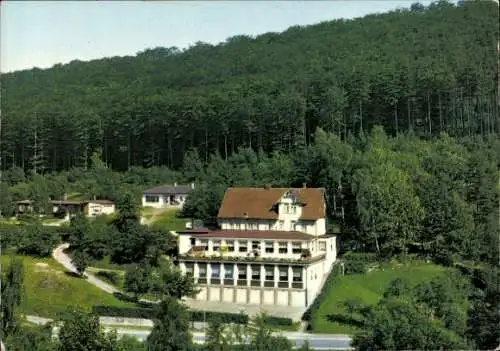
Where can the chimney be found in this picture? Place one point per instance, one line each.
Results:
(192, 185)
(175, 184)
(304, 185)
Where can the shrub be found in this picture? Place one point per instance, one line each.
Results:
(236, 318)
(150, 313)
(110, 276)
(125, 312)
(278, 321)
(313, 308)
(357, 263)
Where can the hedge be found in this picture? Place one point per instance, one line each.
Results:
(278, 321)
(150, 313)
(313, 308)
(110, 276)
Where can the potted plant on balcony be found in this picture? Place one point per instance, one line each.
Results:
(306, 254)
(223, 250)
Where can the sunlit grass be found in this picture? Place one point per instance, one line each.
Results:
(48, 290)
(368, 288)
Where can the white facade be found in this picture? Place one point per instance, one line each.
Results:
(166, 196)
(96, 209)
(281, 261)
(164, 201)
(283, 274)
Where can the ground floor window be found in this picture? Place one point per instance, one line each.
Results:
(297, 274)
(152, 198)
(283, 273)
(202, 270)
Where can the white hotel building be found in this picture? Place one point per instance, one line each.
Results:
(272, 249)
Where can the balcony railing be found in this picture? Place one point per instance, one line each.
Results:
(218, 258)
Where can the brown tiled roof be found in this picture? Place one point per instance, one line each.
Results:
(259, 203)
(257, 234)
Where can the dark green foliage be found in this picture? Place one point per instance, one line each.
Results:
(125, 312)
(110, 276)
(278, 321)
(33, 239)
(194, 316)
(171, 329)
(11, 291)
(81, 331)
(311, 310)
(34, 338)
(430, 316)
(427, 71)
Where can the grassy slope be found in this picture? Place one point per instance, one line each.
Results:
(369, 288)
(49, 291)
(167, 219)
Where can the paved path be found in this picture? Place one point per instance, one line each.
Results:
(65, 260)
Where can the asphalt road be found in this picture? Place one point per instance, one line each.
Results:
(317, 342)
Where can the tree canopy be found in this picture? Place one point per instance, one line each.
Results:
(421, 69)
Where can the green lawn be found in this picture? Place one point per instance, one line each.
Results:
(332, 317)
(49, 291)
(169, 219)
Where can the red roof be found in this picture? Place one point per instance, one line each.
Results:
(260, 203)
(257, 234)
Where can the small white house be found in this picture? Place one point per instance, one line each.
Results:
(166, 196)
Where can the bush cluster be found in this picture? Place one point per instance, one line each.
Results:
(308, 315)
(110, 276)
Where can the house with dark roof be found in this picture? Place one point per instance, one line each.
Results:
(166, 196)
(68, 208)
(272, 250)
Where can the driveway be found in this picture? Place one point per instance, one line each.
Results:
(59, 255)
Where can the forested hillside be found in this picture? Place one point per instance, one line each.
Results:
(425, 70)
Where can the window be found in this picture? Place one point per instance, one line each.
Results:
(243, 246)
(267, 226)
(255, 245)
(281, 224)
(216, 245)
(215, 270)
(296, 247)
(255, 272)
(228, 271)
(269, 247)
(294, 209)
(242, 272)
(242, 226)
(202, 270)
(204, 243)
(181, 198)
(230, 245)
(294, 225)
(152, 198)
(283, 248)
(322, 246)
(254, 226)
(190, 269)
(269, 273)
(287, 208)
(283, 273)
(297, 275)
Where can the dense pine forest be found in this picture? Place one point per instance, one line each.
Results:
(423, 70)
(396, 115)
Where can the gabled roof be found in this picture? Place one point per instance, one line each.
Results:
(169, 190)
(260, 203)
